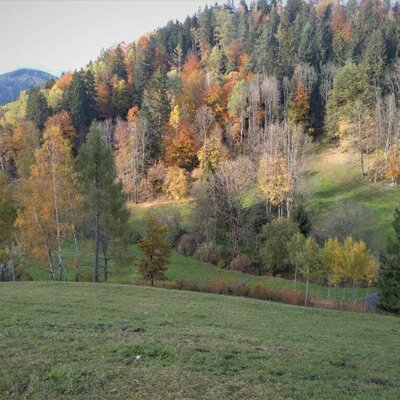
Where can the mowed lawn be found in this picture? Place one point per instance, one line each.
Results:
(106, 341)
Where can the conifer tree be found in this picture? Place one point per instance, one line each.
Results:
(36, 107)
(155, 111)
(389, 279)
(103, 198)
(118, 64)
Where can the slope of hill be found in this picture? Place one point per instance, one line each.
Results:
(334, 175)
(85, 341)
(12, 83)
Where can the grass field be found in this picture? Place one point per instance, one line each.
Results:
(335, 175)
(181, 267)
(87, 341)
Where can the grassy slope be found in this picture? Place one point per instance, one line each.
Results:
(180, 267)
(78, 341)
(335, 175)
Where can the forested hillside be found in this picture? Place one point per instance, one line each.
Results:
(227, 107)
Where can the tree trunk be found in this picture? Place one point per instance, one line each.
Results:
(61, 266)
(305, 300)
(151, 279)
(295, 277)
(96, 249)
(77, 256)
(50, 261)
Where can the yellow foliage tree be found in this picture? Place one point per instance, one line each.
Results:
(273, 180)
(176, 183)
(50, 202)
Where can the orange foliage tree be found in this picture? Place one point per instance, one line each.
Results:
(181, 152)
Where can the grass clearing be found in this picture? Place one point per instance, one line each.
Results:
(181, 267)
(104, 341)
(335, 175)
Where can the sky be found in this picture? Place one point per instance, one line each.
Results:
(62, 35)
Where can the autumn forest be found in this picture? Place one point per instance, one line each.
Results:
(222, 111)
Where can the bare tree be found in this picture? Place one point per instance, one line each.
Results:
(328, 72)
(270, 97)
(233, 180)
(305, 75)
(204, 121)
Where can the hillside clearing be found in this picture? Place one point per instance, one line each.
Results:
(86, 341)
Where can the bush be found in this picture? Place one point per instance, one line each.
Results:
(241, 289)
(217, 286)
(186, 284)
(370, 302)
(155, 178)
(241, 262)
(286, 296)
(274, 240)
(260, 292)
(209, 252)
(187, 245)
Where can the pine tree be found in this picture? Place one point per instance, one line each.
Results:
(36, 107)
(120, 99)
(103, 198)
(389, 277)
(80, 99)
(155, 111)
(118, 64)
(156, 248)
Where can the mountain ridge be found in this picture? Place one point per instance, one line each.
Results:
(13, 82)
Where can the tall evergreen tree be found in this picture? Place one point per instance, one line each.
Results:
(155, 111)
(118, 64)
(80, 99)
(389, 278)
(103, 198)
(36, 107)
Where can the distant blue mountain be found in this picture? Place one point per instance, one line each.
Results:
(12, 83)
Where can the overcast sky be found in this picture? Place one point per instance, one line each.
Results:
(61, 35)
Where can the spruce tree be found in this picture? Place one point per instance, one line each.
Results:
(104, 202)
(80, 99)
(118, 64)
(36, 107)
(389, 278)
(155, 111)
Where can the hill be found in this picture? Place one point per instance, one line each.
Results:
(86, 341)
(12, 83)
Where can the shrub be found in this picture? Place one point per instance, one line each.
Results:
(241, 289)
(370, 302)
(286, 296)
(209, 252)
(184, 284)
(217, 286)
(241, 262)
(274, 240)
(155, 177)
(260, 292)
(187, 244)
